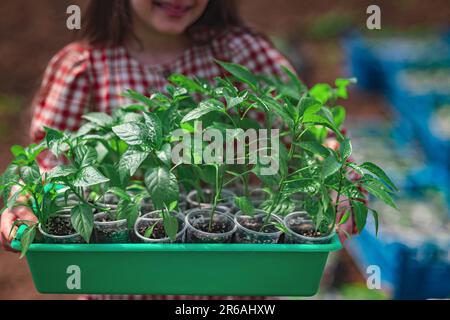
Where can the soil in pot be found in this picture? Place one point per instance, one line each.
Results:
(109, 230)
(199, 229)
(252, 229)
(158, 235)
(59, 229)
(302, 230)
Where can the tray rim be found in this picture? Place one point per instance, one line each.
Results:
(185, 247)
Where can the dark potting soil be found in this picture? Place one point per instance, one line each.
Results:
(307, 230)
(59, 226)
(106, 218)
(158, 230)
(216, 227)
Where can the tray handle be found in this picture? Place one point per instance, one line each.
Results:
(16, 242)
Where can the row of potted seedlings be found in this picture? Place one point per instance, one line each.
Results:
(117, 182)
(193, 225)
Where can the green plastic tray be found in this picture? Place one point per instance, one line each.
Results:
(173, 269)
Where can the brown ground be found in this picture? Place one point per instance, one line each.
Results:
(32, 31)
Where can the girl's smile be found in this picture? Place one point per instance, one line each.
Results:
(171, 8)
(170, 17)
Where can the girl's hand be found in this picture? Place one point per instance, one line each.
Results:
(6, 222)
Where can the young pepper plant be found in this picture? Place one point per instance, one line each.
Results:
(23, 185)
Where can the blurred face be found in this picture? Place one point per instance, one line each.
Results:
(168, 16)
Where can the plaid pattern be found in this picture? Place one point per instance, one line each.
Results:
(83, 79)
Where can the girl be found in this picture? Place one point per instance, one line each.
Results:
(136, 44)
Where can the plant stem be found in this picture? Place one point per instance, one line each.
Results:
(338, 196)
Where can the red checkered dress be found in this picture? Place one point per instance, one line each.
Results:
(82, 79)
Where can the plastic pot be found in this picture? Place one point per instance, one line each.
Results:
(198, 220)
(297, 221)
(108, 200)
(249, 228)
(62, 221)
(194, 201)
(152, 218)
(108, 230)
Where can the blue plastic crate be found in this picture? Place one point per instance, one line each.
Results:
(361, 63)
(409, 273)
(376, 62)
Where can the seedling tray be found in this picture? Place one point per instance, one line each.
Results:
(173, 269)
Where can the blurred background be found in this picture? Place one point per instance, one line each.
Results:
(398, 116)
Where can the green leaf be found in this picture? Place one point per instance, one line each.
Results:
(341, 87)
(330, 166)
(134, 95)
(31, 174)
(99, 118)
(54, 138)
(339, 114)
(12, 200)
(131, 160)
(360, 213)
(378, 190)
(376, 219)
(281, 110)
(85, 156)
(315, 148)
(120, 193)
(27, 239)
(154, 129)
(162, 186)
(170, 226)
(376, 170)
(133, 133)
(318, 119)
(355, 167)
(345, 217)
(345, 149)
(82, 220)
(17, 150)
(322, 92)
(241, 73)
(308, 106)
(89, 176)
(165, 154)
(203, 108)
(128, 211)
(302, 185)
(61, 171)
(85, 129)
(148, 233)
(299, 86)
(185, 82)
(245, 205)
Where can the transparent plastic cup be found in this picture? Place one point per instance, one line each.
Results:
(108, 200)
(193, 201)
(114, 231)
(197, 221)
(299, 220)
(249, 228)
(61, 218)
(151, 218)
